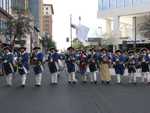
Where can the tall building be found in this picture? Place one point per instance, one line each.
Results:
(20, 5)
(124, 17)
(47, 19)
(35, 7)
(6, 5)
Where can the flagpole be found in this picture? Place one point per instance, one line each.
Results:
(71, 29)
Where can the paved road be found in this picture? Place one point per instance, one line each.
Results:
(79, 98)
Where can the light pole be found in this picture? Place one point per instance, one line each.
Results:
(134, 18)
(71, 29)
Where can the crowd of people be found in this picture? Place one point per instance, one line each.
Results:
(89, 64)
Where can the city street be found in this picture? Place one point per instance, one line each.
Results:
(79, 98)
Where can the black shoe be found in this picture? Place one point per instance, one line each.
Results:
(95, 82)
(22, 86)
(55, 83)
(107, 82)
(37, 85)
(74, 82)
(134, 83)
(148, 83)
(118, 83)
(102, 82)
(84, 82)
(8, 85)
(69, 82)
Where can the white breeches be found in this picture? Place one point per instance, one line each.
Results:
(93, 76)
(38, 79)
(72, 77)
(118, 78)
(54, 78)
(146, 75)
(23, 79)
(9, 79)
(132, 77)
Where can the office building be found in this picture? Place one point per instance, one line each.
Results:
(123, 18)
(48, 19)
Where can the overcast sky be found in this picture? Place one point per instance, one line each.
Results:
(87, 9)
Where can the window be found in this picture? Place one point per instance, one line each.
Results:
(112, 3)
(105, 4)
(145, 2)
(128, 3)
(120, 3)
(46, 8)
(137, 2)
(100, 4)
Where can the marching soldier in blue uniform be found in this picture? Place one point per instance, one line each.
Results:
(23, 64)
(8, 62)
(131, 65)
(52, 64)
(119, 65)
(37, 60)
(70, 62)
(145, 60)
(1, 59)
(92, 66)
(56, 58)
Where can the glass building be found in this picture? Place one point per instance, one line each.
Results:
(20, 4)
(6, 5)
(112, 4)
(35, 7)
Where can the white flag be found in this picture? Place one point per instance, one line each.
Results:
(82, 32)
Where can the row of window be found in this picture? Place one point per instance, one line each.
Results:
(6, 5)
(3, 25)
(111, 4)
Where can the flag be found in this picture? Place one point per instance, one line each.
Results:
(82, 32)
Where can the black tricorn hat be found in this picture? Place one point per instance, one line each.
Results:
(103, 49)
(36, 48)
(70, 48)
(130, 51)
(52, 48)
(22, 48)
(118, 51)
(7, 48)
(143, 49)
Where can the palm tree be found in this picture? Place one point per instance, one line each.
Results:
(18, 27)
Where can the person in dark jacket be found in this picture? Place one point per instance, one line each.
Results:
(52, 64)
(38, 61)
(8, 62)
(23, 64)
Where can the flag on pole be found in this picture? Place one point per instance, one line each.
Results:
(81, 31)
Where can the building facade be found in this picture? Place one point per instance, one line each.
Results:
(20, 4)
(35, 7)
(120, 14)
(47, 19)
(6, 5)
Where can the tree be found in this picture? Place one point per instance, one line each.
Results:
(145, 28)
(77, 44)
(47, 42)
(19, 26)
